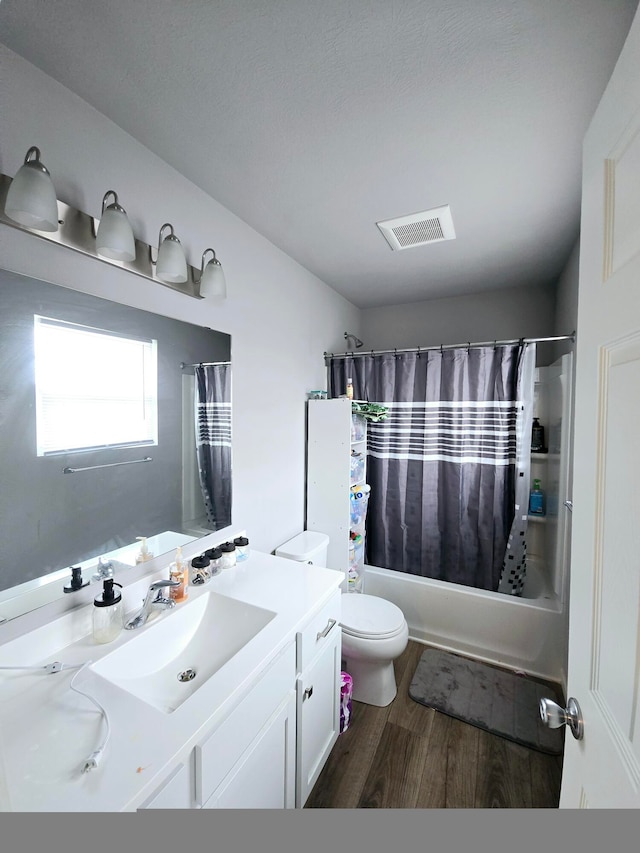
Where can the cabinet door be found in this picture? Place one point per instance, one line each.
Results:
(263, 778)
(318, 701)
(218, 754)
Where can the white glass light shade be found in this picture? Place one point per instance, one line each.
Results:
(31, 199)
(115, 239)
(213, 282)
(171, 265)
(212, 279)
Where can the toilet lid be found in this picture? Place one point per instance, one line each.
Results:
(368, 616)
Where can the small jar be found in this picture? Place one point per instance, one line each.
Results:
(228, 550)
(242, 548)
(215, 561)
(200, 570)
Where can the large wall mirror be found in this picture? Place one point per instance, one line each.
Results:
(115, 424)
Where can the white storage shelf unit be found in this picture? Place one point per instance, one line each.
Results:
(548, 534)
(331, 473)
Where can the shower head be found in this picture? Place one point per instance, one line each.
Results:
(349, 337)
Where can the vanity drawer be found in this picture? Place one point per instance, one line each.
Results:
(318, 632)
(175, 792)
(217, 755)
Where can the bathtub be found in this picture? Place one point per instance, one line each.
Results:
(527, 633)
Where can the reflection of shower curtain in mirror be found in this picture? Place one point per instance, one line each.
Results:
(213, 440)
(442, 464)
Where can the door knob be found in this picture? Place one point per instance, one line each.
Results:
(554, 716)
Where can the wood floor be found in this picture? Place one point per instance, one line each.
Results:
(408, 756)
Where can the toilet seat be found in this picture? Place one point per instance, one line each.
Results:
(370, 618)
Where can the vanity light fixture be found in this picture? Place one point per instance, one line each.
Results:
(31, 199)
(171, 265)
(28, 202)
(212, 279)
(115, 239)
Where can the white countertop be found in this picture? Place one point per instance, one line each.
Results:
(47, 731)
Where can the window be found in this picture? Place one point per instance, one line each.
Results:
(94, 388)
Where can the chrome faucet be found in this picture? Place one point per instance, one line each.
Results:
(151, 601)
(103, 570)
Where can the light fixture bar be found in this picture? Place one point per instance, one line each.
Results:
(77, 231)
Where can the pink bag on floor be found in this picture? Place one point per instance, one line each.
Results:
(346, 692)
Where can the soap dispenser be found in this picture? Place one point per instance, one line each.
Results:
(107, 613)
(144, 553)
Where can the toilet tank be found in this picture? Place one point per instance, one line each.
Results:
(307, 547)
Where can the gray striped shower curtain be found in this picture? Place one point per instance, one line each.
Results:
(442, 465)
(213, 440)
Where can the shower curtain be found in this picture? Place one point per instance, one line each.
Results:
(441, 466)
(514, 567)
(213, 440)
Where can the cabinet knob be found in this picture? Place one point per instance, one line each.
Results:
(324, 633)
(308, 693)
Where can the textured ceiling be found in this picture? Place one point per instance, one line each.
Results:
(312, 121)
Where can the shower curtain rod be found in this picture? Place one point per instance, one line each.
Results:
(203, 364)
(441, 347)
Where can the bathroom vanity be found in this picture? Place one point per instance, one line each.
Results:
(251, 729)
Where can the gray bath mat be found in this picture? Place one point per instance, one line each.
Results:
(497, 700)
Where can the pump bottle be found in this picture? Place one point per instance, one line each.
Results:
(107, 613)
(144, 553)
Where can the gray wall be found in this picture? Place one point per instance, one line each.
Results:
(281, 317)
(494, 315)
(566, 318)
(50, 520)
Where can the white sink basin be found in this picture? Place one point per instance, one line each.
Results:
(171, 659)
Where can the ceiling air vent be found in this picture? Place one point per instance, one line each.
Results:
(418, 229)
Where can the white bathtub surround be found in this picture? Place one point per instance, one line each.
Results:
(527, 634)
(47, 731)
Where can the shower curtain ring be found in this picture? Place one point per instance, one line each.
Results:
(441, 350)
(418, 352)
(468, 346)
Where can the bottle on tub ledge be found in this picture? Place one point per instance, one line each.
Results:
(537, 500)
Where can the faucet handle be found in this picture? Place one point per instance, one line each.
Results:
(162, 583)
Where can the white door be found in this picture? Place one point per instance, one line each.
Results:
(603, 769)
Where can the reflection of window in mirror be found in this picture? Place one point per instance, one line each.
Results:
(94, 388)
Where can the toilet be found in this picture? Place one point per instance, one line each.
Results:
(374, 630)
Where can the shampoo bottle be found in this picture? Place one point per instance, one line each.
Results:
(537, 437)
(179, 571)
(536, 500)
